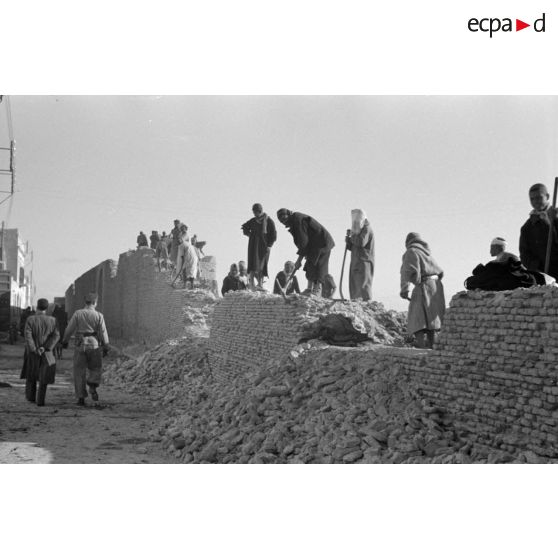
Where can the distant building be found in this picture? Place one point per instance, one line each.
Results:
(17, 287)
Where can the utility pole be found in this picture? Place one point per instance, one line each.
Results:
(10, 171)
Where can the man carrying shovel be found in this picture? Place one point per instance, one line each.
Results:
(314, 244)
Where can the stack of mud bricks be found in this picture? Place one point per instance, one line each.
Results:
(137, 300)
(251, 329)
(495, 368)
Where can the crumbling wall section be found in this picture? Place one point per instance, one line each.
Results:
(139, 303)
(493, 375)
(250, 329)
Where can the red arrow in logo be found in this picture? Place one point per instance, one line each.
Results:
(519, 25)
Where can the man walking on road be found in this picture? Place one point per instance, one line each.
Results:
(41, 336)
(91, 344)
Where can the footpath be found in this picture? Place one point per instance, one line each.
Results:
(62, 432)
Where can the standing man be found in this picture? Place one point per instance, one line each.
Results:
(154, 240)
(91, 344)
(313, 242)
(361, 244)
(41, 336)
(187, 262)
(161, 252)
(534, 233)
(141, 239)
(427, 303)
(176, 235)
(262, 235)
(61, 321)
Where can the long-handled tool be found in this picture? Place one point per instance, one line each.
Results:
(550, 229)
(343, 267)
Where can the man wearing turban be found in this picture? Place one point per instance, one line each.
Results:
(360, 242)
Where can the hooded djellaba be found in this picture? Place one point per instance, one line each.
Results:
(360, 242)
(427, 302)
(262, 234)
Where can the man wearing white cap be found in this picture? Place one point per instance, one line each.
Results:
(498, 249)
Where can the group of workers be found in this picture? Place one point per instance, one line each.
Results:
(421, 283)
(421, 276)
(177, 251)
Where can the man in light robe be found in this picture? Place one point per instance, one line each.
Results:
(243, 272)
(91, 344)
(361, 244)
(498, 251)
(533, 237)
(314, 244)
(427, 303)
(187, 261)
(41, 336)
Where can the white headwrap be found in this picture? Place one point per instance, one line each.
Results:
(499, 241)
(358, 217)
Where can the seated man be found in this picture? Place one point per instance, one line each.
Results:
(281, 280)
(498, 249)
(232, 281)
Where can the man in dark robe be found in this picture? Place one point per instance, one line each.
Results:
(281, 278)
(177, 235)
(262, 234)
(534, 233)
(41, 336)
(314, 244)
(232, 281)
(141, 239)
(154, 240)
(61, 317)
(23, 318)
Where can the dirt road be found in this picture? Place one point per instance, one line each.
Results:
(62, 432)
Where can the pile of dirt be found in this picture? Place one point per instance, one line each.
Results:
(319, 404)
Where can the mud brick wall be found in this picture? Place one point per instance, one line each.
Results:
(495, 367)
(250, 329)
(138, 302)
(493, 374)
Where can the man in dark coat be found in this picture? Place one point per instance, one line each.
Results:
(313, 242)
(141, 239)
(41, 336)
(232, 281)
(534, 233)
(154, 240)
(262, 235)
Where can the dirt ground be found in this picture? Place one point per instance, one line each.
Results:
(61, 431)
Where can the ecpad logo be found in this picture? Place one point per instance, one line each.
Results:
(493, 25)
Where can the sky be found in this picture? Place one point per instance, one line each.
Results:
(92, 171)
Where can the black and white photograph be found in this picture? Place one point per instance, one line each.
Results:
(278, 279)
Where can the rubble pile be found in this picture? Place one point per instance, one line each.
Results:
(319, 404)
(251, 328)
(487, 394)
